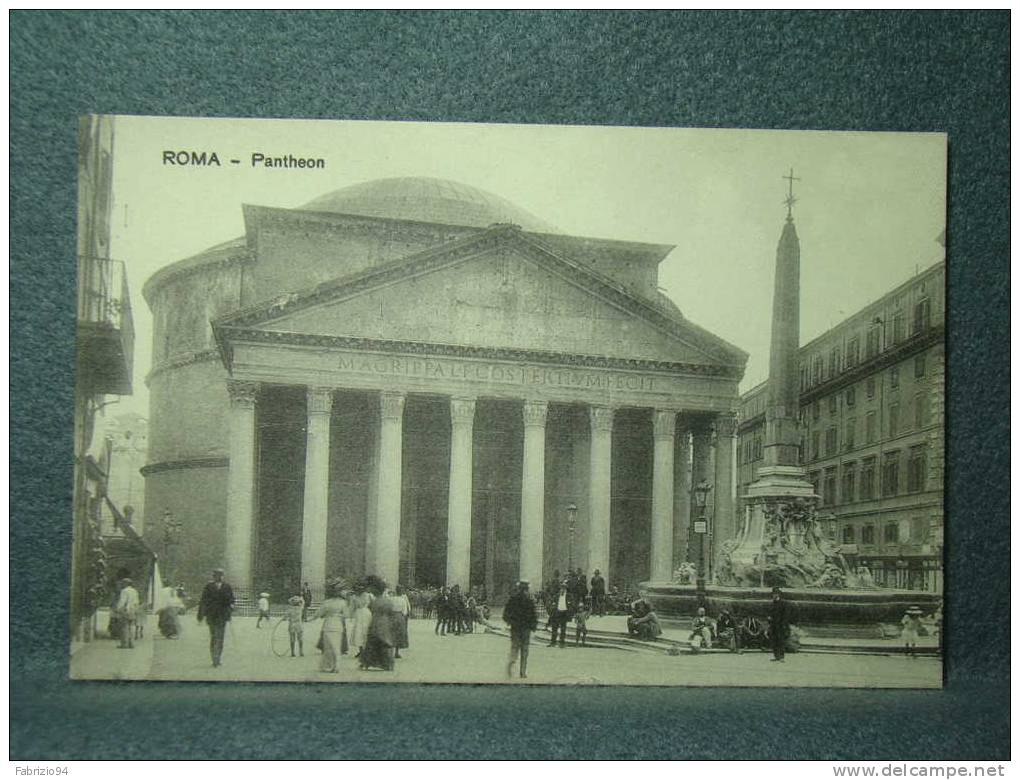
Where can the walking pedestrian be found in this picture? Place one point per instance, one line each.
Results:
(911, 623)
(263, 607)
(295, 625)
(362, 620)
(128, 606)
(215, 607)
(402, 610)
(581, 615)
(779, 624)
(519, 613)
(334, 612)
(306, 594)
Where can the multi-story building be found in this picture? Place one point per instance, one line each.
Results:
(872, 396)
(105, 349)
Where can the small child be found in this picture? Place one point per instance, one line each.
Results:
(263, 607)
(581, 615)
(911, 629)
(295, 625)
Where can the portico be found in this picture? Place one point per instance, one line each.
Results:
(471, 461)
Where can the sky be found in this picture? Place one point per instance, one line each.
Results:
(869, 208)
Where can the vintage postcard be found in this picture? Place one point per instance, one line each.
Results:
(453, 403)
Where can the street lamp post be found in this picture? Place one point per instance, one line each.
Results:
(701, 491)
(571, 525)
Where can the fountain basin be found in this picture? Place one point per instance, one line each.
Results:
(811, 606)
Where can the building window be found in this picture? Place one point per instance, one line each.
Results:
(920, 410)
(918, 530)
(894, 420)
(803, 378)
(915, 469)
(757, 449)
(867, 479)
(814, 478)
(922, 316)
(831, 441)
(871, 344)
(834, 366)
(849, 478)
(829, 494)
(848, 436)
(816, 410)
(891, 474)
(815, 437)
(851, 396)
(816, 371)
(919, 367)
(894, 377)
(897, 327)
(868, 534)
(833, 403)
(848, 534)
(853, 349)
(892, 533)
(869, 428)
(869, 387)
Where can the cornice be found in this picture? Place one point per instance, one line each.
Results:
(180, 361)
(184, 268)
(256, 336)
(905, 349)
(178, 465)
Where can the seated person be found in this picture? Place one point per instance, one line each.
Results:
(727, 630)
(644, 623)
(701, 629)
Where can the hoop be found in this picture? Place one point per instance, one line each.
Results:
(279, 641)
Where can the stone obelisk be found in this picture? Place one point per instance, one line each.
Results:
(777, 542)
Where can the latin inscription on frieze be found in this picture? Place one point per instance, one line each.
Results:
(444, 369)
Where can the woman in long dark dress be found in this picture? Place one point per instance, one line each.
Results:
(381, 642)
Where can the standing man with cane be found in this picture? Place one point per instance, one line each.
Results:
(215, 608)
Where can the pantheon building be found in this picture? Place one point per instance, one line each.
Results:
(415, 378)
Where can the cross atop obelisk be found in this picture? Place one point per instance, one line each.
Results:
(790, 200)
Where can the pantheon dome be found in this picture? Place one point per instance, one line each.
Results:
(425, 199)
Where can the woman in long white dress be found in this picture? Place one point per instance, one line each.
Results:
(362, 621)
(334, 610)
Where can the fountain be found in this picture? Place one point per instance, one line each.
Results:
(778, 541)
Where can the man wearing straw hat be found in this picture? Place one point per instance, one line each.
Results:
(215, 608)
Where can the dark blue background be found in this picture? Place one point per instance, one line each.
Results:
(868, 71)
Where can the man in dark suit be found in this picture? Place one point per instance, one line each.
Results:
(598, 593)
(519, 613)
(306, 595)
(779, 624)
(215, 608)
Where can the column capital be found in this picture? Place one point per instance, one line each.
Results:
(664, 423)
(462, 410)
(535, 413)
(391, 404)
(320, 400)
(601, 418)
(242, 393)
(726, 424)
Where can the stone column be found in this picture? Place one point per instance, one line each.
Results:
(599, 488)
(664, 425)
(387, 521)
(313, 528)
(701, 459)
(681, 492)
(458, 527)
(533, 493)
(724, 520)
(240, 483)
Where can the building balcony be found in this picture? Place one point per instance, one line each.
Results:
(105, 339)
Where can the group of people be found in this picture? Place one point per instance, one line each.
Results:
(455, 612)
(369, 619)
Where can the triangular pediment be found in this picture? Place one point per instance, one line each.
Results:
(499, 290)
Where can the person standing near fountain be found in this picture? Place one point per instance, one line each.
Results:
(779, 624)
